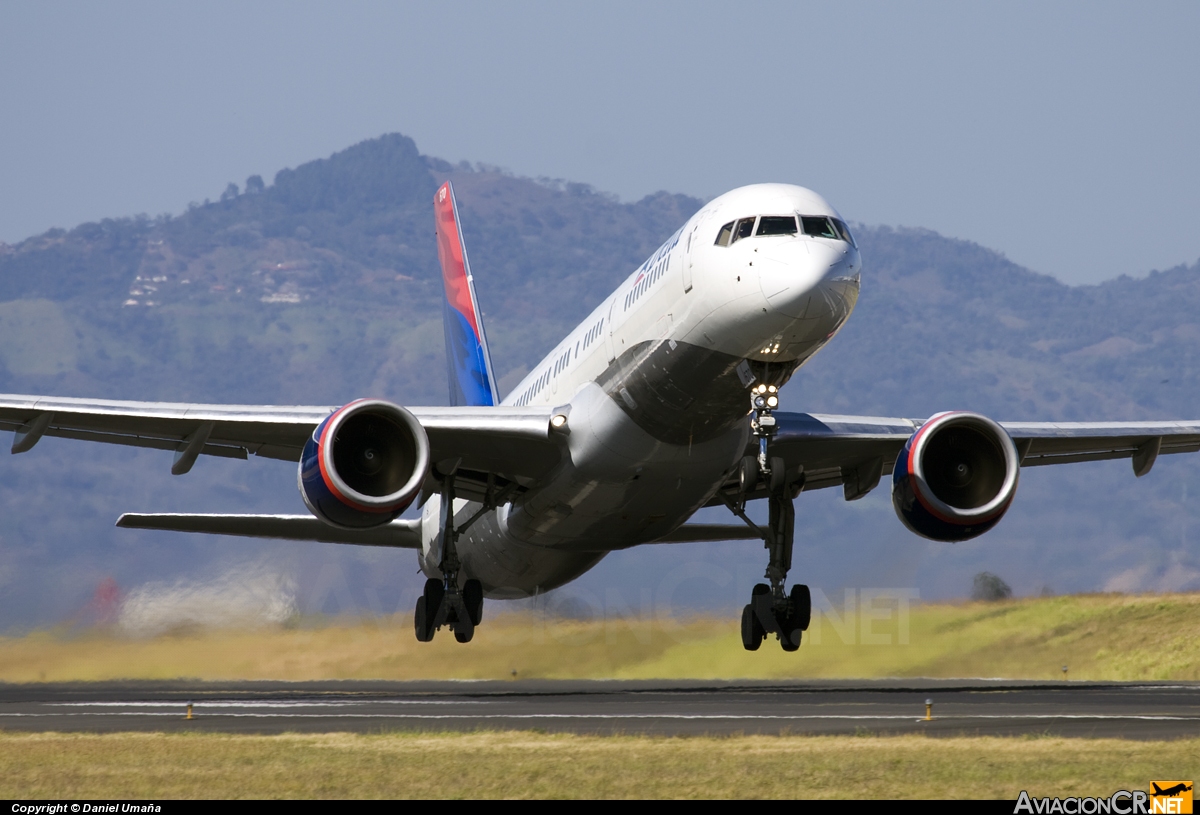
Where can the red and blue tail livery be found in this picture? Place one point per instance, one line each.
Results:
(470, 365)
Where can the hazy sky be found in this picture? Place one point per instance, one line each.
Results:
(1064, 135)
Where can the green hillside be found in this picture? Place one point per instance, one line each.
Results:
(323, 286)
(325, 283)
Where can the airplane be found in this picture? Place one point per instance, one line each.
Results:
(1170, 792)
(663, 401)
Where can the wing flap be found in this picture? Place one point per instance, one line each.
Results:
(1073, 442)
(219, 450)
(280, 432)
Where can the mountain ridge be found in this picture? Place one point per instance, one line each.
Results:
(324, 286)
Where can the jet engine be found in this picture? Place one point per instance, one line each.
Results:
(955, 477)
(364, 464)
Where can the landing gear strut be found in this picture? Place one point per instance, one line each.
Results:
(772, 609)
(443, 602)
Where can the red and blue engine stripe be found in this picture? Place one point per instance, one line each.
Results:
(919, 512)
(321, 493)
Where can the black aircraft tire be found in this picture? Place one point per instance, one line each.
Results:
(801, 599)
(434, 592)
(747, 475)
(778, 474)
(421, 622)
(752, 630)
(473, 599)
(789, 640)
(465, 636)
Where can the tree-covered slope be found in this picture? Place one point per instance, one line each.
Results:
(323, 286)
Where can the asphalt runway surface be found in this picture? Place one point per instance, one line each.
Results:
(981, 707)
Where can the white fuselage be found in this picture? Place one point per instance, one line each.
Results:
(655, 383)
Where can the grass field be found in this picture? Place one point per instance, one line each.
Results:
(534, 765)
(1099, 637)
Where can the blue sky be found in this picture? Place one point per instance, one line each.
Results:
(1063, 135)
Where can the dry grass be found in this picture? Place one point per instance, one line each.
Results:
(1099, 637)
(532, 765)
(1103, 637)
(352, 649)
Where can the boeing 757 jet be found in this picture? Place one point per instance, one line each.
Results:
(663, 401)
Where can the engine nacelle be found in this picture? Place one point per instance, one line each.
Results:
(364, 464)
(955, 477)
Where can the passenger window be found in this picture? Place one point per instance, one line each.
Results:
(744, 229)
(818, 227)
(777, 225)
(723, 235)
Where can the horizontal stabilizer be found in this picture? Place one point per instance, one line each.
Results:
(401, 534)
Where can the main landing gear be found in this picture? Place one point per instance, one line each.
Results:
(443, 602)
(772, 609)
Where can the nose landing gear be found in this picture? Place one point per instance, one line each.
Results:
(772, 609)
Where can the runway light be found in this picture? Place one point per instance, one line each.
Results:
(929, 710)
(189, 713)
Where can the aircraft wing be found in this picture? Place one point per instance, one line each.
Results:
(399, 534)
(854, 452)
(512, 443)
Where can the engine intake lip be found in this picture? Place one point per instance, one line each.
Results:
(327, 433)
(925, 493)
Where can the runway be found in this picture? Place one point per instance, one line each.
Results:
(673, 708)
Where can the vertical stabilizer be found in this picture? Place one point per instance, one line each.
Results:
(472, 381)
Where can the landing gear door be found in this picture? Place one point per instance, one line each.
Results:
(609, 341)
(689, 256)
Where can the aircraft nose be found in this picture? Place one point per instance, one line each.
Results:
(790, 272)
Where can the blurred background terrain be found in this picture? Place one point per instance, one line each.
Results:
(321, 286)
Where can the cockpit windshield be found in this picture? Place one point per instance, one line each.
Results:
(844, 231)
(744, 229)
(819, 227)
(816, 226)
(734, 231)
(776, 225)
